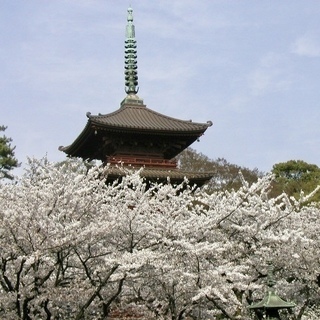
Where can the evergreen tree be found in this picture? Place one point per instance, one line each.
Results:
(7, 157)
(295, 177)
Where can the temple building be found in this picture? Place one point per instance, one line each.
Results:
(137, 136)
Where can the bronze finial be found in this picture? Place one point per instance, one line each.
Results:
(270, 278)
(131, 73)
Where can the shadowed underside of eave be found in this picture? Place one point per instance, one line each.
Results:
(91, 143)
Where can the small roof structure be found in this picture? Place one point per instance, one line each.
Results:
(271, 303)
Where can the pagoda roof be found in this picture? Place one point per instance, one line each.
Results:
(132, 117)
(137, 117)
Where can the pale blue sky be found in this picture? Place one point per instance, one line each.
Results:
(251, 67)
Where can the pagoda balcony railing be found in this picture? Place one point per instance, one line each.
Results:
(142, 161)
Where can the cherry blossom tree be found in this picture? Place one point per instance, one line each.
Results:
(75, 247)
(61, 255)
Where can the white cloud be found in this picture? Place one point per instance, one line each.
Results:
(270, 75)
(307, 45)
(239, 103)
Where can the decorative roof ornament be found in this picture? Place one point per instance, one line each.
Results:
(131, 73)
(270, 277)
(271, 303)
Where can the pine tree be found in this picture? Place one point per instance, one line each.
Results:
(7, 156)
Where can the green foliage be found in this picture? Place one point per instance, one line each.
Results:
(7, 157)
(294, 177)
(225, 174)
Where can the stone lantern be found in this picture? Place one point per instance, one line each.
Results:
(271, 303)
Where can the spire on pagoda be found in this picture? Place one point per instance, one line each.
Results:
(131, 66)
(131, 73)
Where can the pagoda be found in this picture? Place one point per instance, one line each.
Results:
(137, 136)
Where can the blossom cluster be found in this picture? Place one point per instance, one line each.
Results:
(75, 247)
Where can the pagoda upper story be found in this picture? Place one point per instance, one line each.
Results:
(134, 134)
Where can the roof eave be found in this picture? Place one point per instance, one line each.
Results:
(76, 145)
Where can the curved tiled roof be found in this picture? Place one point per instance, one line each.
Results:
(134, 119)
(142, 118)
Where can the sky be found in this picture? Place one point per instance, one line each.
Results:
(251, 67)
